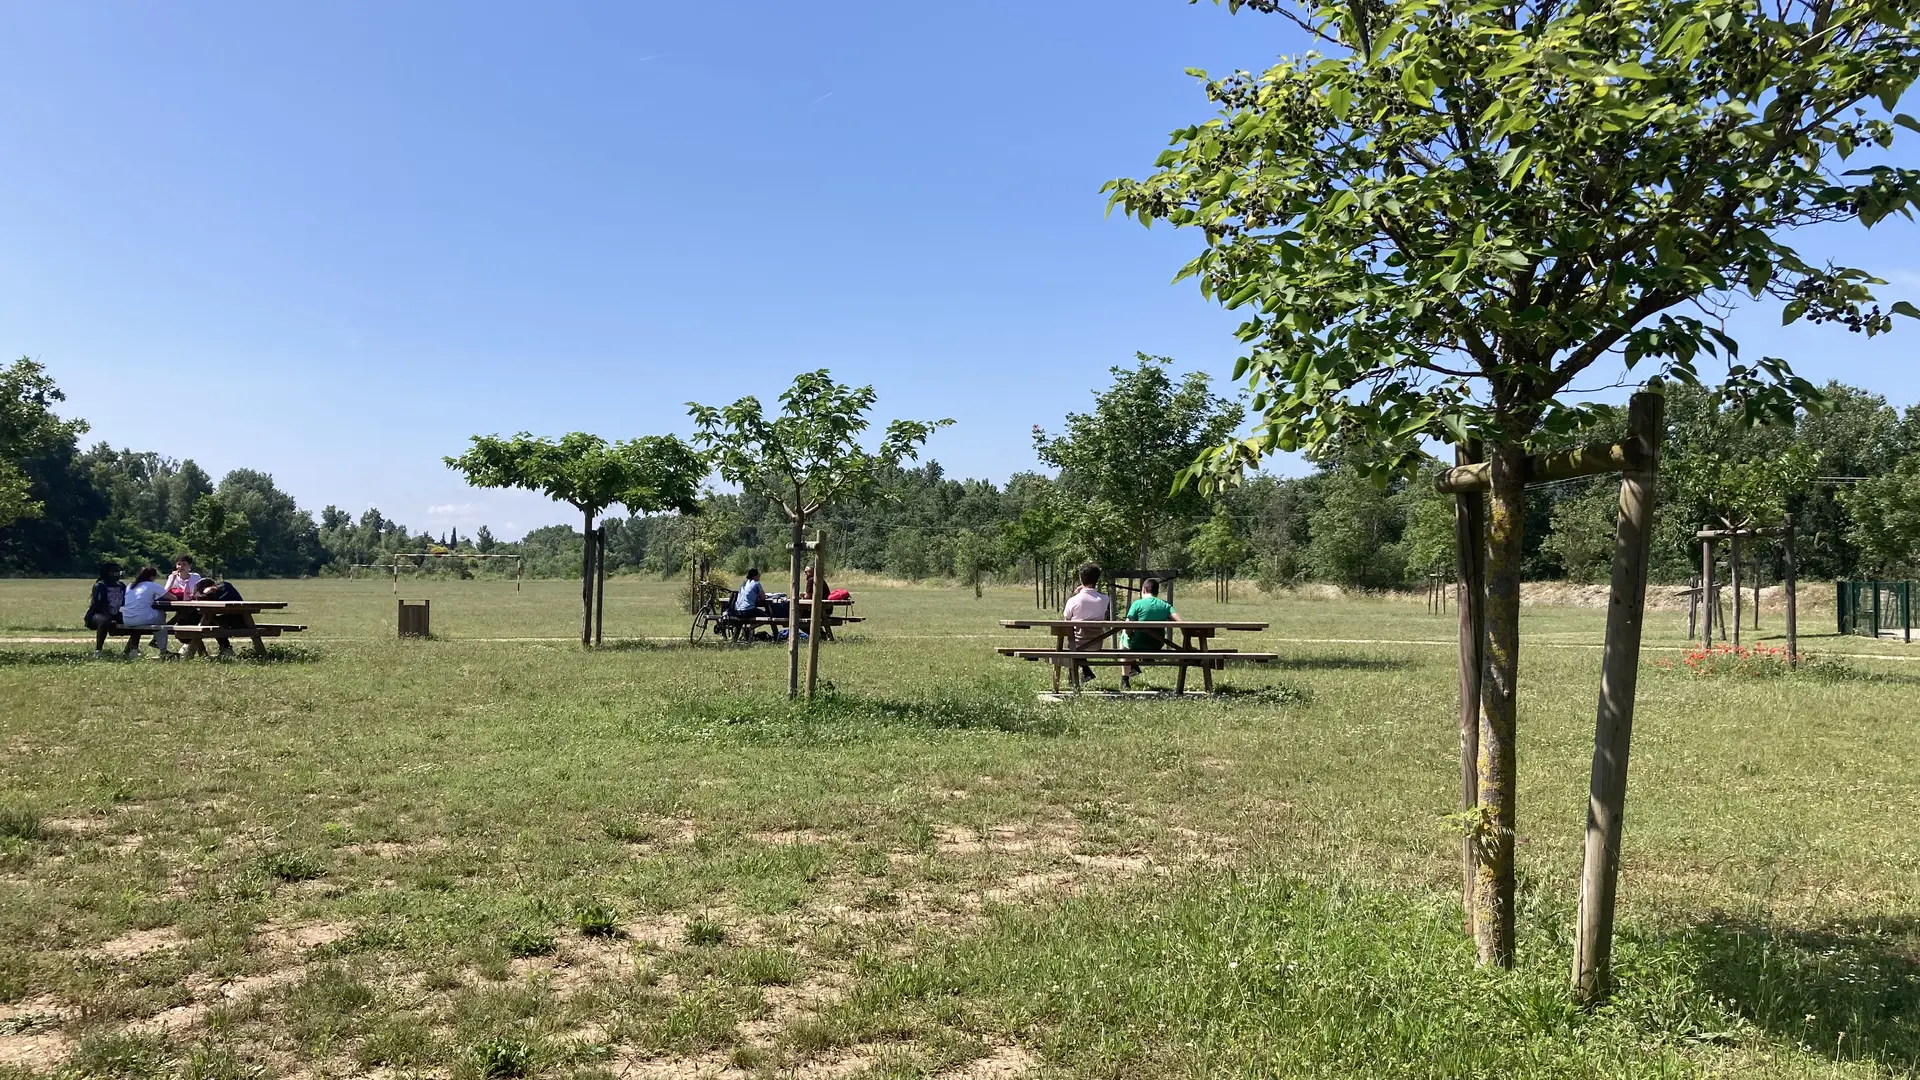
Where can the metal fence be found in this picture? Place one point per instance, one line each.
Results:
(1873, 608)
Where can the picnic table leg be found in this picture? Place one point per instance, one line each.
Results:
(1180, 682)
(1206, 674)
(259, 643)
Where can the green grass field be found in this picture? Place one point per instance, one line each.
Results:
(493, 854)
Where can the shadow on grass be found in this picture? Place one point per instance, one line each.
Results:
(1340, 663)
(837, 717)
(1850, 989)
(275, 654)
(1278, 694)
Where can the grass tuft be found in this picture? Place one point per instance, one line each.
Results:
(502, 1058)
(20, 823)
(704, 932)
(292, 866)
(522, 942)
(595, 920)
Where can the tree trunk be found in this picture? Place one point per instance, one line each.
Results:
(1493, 929)
(1470, 543)
(586, 584)
(793, 607)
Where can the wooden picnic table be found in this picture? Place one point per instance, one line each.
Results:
(231, 619)
(1194, 649)
(838, 613)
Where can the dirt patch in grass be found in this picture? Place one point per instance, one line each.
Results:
(1004, 1063)
(137, 943)
(300, 937)
(30, 1035)
(790, 837)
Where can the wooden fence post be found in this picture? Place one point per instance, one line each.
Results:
(1613, 727)
(1470, 543)
(817, 625)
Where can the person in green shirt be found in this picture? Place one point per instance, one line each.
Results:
(1149, 608)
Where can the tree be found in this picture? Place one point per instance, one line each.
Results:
(1351, 535)
(806, 458)
(286, 542)
(216, 535)
(1118, 464)
(974, 555)
(1427, 541)
(1458, 210)
(647, 475)
(1216, 546)
(1581, 534)
(28, 428)
(1886, 520)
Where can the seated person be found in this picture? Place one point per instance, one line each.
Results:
(138, 611)
(1087, 604)
(103, 607)
(183, 584)
(752, 594)
(1149, 608)
(209, 589)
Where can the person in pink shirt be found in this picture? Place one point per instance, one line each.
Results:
(1087, 604)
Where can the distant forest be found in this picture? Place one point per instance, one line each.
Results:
(1850, 473)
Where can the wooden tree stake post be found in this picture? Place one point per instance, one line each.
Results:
(1793, 628)
(817, 623)
(1470, 530)
(1613, 727)
(1710, 603)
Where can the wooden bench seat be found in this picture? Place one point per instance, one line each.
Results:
(259, 630)
(1217, 657)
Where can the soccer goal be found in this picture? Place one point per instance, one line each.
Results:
(420, 562)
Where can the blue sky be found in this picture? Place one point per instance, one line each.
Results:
(371, 230)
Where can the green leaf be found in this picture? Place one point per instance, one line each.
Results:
(1901, 307)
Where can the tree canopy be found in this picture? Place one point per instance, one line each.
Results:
(1119, 464)
(28, 425)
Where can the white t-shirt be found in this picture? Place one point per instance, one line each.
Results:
(138, 609)
(189, 583)
(1088, 604)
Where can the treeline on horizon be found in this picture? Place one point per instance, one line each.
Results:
(1332, 525)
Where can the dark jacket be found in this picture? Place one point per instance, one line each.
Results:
(106, 599)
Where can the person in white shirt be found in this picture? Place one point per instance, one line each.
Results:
(137, 610)
(1086, 604)
(183, 578)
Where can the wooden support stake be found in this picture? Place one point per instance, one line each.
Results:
(1708, 602)
(1470, 543)
(1733, 579)
(1793, 626)
(1613, 727)
(817, 624)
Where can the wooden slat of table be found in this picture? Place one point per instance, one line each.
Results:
(1124, 624)
(221, 605)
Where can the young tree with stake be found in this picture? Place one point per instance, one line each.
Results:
(1461, 214)
(804, 458)
(648, 475)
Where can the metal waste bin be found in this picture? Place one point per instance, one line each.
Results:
(414, 621)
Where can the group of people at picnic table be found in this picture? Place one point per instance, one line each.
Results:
(116, 605)
(1089, 604)
(753, 600)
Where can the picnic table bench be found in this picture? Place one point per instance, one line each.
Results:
(717, 611)
(226, 620)
(1194, 649)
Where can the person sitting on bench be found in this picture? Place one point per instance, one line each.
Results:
(1087, 604)
(103, 607)
(209, 589)
(1149, 608)
(751, 595)
(138, 611)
